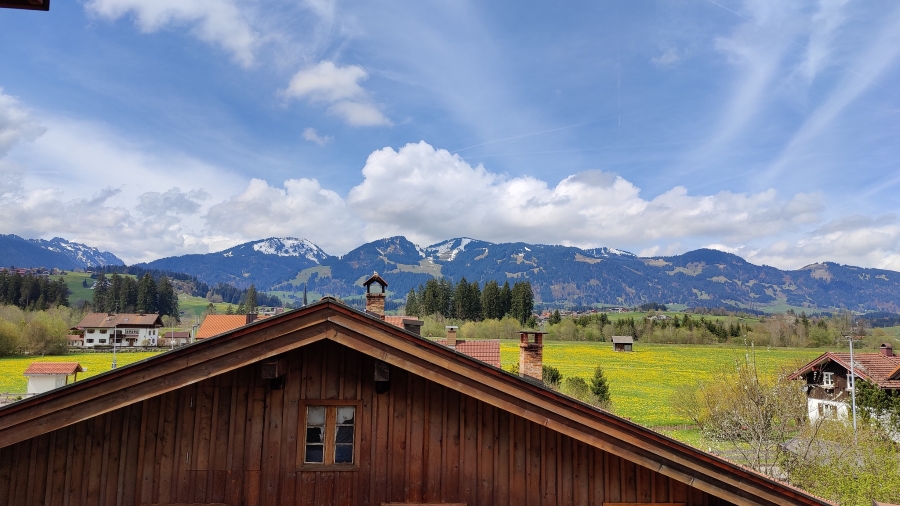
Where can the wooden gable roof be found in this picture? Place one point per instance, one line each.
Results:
(330, 320)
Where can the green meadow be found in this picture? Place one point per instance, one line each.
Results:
(11, 369)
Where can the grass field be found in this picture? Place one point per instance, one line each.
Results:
(11, 369)
(642, 382)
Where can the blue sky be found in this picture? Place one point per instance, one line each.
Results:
(160, 127)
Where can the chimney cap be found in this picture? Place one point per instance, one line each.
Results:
(375, 278)
(452, 327)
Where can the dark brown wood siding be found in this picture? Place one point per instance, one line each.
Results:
(233, 439)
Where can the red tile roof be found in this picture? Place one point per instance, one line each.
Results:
(875, 368)
(104, 320)
(216, 324)
(177, 335)
(487, 350)
(53, 368)
(399, 321)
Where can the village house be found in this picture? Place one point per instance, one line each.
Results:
(127, 329)
(828, 380)
(329, 405)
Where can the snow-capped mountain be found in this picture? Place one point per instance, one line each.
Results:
(57, 252)
(290, 247)
(85, 256)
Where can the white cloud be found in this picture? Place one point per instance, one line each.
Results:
(312, 135)
(219, 22)
(16, 124)
(328, 83)
(431, 194)
(302, 208)
(667, 59)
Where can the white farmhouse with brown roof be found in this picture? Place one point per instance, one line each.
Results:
(128, 329)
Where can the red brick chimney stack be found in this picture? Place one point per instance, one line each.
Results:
(887, 350)
(374, 296)
(531, 354)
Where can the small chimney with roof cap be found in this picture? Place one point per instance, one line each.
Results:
(531, 354)
(375, 294)
(451, 336)
(887, 349)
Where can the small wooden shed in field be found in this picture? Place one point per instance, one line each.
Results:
(622, 343)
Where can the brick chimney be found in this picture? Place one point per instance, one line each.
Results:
(887, 350)
(531, 354)
(451, 336)
(374, 296)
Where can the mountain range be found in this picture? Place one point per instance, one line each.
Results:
(57, 252)
(560, 275)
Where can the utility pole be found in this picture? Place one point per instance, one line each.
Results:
(852, 386)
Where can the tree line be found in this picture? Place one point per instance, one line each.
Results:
(30, 292)
(125, 294)
(467, 301)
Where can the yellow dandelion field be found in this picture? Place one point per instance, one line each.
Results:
(642, 382)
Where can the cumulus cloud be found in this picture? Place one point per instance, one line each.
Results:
(218, 22)
(338, 87)
(301, 208)
(172, 202)
(435, 194)
(16, 124)
(313, 136)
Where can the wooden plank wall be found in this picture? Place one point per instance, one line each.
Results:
(231, 439)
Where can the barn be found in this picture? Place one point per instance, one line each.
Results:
(328, 405)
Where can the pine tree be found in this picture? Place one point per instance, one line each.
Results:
(461, 300)
(522, 301)
(128, 294)
(147, 295)
(412, 303)
(600, 387)
(474, 307)
(101, 294)
(167, 299)
(505, 300)
(251, 300)
(490, 301)
(229, 309)
(115, 291)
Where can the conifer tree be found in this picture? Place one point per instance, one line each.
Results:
(555, 318)
(167, 299)
(600, 387)
(101, 294)
(461, 300)
(412, 303)
(490, 301)
(251, 300)
(505, 299)
(474, 308)
(147, 295)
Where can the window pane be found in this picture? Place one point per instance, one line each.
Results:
(343, 454)
(344, 435)
(315, 454)
(345, 414)
(315, 415)
(315, 435)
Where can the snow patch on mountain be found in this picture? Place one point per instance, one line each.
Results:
(290, 247)
(605, 252)
(448, 250)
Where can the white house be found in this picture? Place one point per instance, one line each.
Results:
(45, 376)
(128, 329)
